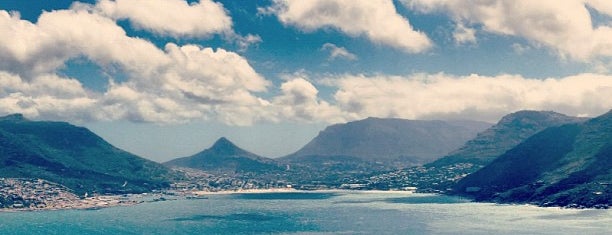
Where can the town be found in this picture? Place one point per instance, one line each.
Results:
(38, 194)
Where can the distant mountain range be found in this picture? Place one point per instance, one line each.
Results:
(442, 174)
(511, 130)
(74, 157)
(539, 157)
(226, 158)
(341, 151)
(569, 165)
(391, 142)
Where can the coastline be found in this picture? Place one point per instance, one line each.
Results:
(292, 190)
(107, 201)
(90, 203)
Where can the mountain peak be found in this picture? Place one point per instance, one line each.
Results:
(224, 146)
(223, 143)
(17, 117)
(224, 156)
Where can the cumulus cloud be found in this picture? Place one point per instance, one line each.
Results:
(176, 84)
(442, 96)
(377, 20)
(50, 96)
(196, 83)
(71, 31)
(30, 49)
(564, 26)
(299, 101)
(602, 6)
(21, 44)
(336, 52)
(179, 83)
(470, 97)
(175, 18)
(463, 34)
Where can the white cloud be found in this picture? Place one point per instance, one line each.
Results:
(196, 83)
(463, 34)
(377, 20)
(220, 68)
(21, 44)
(170, 17)
(470, 97)
(602, 6)
(177, 84)
(71, 32)
(336, 52)
(185, 82)
(564, 26)
(50, 96)
(31, 49)
(520, 48)
(244, 42)
(299, 101)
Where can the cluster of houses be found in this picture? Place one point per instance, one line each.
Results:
(421, 179)
(33, 193)
(38, 194)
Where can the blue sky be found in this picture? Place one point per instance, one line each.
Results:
(165, 78)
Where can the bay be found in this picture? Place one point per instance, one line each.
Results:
(334, 212)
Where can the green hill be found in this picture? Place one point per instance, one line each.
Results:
(511, 130)
(570, 165)
(73, 156)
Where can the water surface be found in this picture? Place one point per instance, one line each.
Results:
(313, 213)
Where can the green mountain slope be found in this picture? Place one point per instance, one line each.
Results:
(511, 130)
(570, 165)
(74, 157)
(440, 175)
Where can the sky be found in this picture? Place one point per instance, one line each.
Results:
(166, 78)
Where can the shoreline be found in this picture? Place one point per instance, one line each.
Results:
(292, 190)
(90, 203)
(107, 201)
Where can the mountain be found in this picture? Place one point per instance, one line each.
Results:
(440, 175)
(570, 165)
(392, 142)
(511, 130)
(225, 157)
(74, 157)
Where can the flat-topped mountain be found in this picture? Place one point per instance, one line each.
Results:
(560, 166)
(73, 156)
(511, 130)
(225, 157)
(394, 142)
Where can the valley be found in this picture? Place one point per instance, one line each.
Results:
(570, 154)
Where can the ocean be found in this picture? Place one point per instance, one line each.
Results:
(313, 213)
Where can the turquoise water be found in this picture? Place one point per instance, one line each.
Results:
(313, 213)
